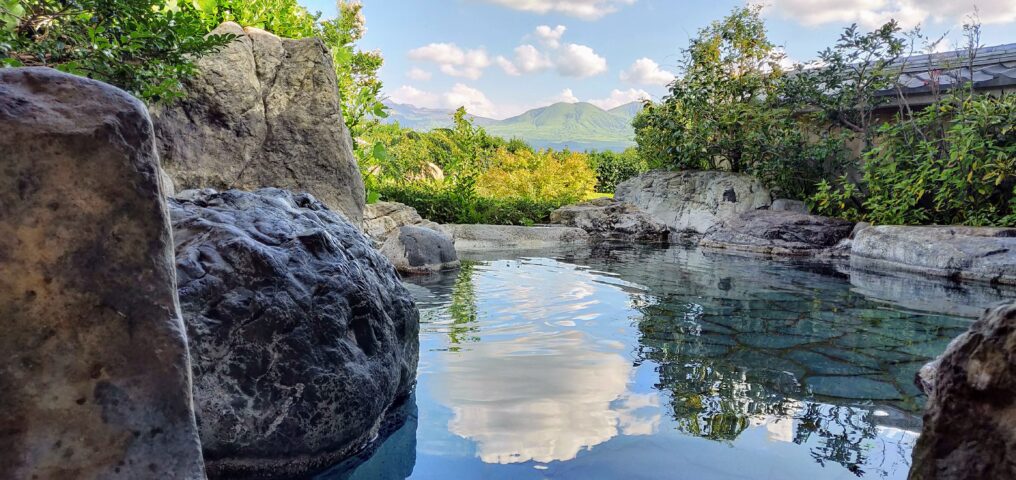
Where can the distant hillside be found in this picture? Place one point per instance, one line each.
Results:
(579, 126)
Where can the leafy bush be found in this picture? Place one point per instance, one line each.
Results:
(143, 46)
(448, 204)
(726, 112)
(564, 177)
(613, 167)
(953, 163)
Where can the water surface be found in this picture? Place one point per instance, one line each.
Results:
(623, 362)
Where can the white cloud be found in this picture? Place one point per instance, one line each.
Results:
(527, 60)
(579, 61)
(550, 37)
(566, 96)
(872, 13)
(646, 72)
(620, 97)
(584, 9)
(453, 60)
(418, 74)
(460, 95)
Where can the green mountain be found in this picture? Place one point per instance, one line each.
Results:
(579, 126)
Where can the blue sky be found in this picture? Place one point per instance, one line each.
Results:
(502, 57)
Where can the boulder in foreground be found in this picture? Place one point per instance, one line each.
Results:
(263, 111)
(303, 337)
(95, 381)
(969, 428)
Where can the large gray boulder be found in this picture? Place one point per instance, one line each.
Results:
(969, 429)
(961, 253)
(301, 333)
(782, 232)
(263, 112)
(95, 379)
(419, 250)
(693, 201)
(608, 218)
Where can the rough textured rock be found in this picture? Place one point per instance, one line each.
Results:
(481, 237)
(961, 253)
(95, 378)
(301, 333)
(693, 201)
(263, 112)
(969, 427)
(788, 205)
(381, 219)
(419, 250)
(166, 181)
(777, 233)
(608, 218)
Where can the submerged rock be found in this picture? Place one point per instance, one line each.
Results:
(484, 237)
(301, 333)
(95, 381)
(783, 233)
(961, 253)
(419, 250)
(969, 430)
(788, 205)
(608, 218)
(263, 112)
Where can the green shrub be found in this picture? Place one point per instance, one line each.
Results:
(726, 111)
(455, 205)
(613, 167)
(952, 163)
(143, 46)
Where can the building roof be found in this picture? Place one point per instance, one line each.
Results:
(993, 68)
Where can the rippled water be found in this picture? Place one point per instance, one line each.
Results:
(667, 363)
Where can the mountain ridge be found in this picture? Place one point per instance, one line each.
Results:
(579, 126)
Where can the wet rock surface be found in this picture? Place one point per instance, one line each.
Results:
(301, 333)
(263, 112)
(693, 201)
(608, 218)
(783, 233)
(968, 422)
(961, 253)
(419, 250)
(483, 237)
(95, 381)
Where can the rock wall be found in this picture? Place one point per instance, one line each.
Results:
(302, 334)
(95, 381)
(263, 112)
(693, 201)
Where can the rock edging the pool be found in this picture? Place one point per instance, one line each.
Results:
(734, 213)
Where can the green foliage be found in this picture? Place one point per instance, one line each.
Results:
(855, 74)
(448, 204)
(613, 168)
(143, 46)
(953, 163)
(285, 18)
(464, 175)
(726, 112)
